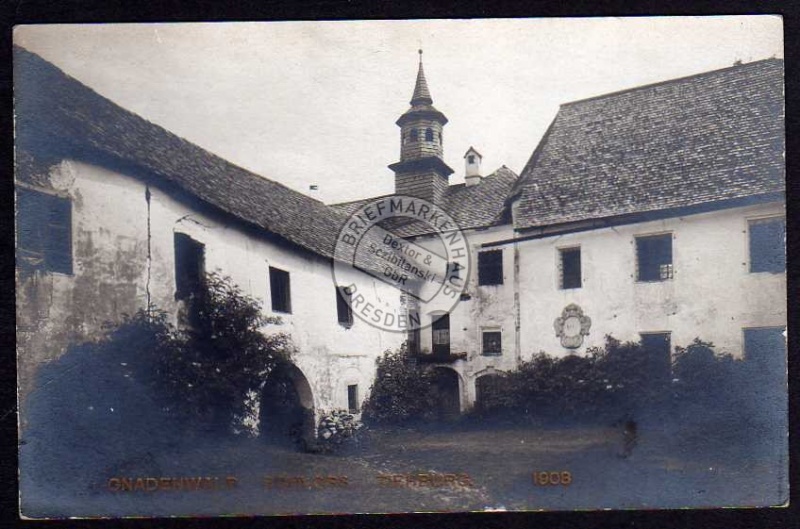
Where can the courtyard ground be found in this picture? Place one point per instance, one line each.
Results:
(665, 469)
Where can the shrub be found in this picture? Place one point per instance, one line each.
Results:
(214, 377)
(403, 390)
(336, 428)
(97, 404)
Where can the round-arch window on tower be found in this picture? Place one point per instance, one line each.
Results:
(414, 135)
(428, 134)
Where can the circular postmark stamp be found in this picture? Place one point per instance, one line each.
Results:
(398, 261)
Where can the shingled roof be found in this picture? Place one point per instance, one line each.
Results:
(57, 113)
(708, 138)
(477, 206)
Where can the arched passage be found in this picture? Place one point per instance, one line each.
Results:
(286, 413)
(446, 386)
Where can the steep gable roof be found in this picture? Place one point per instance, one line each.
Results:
(707, 138)
(55, 112)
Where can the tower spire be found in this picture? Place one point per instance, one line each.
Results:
(422, 96)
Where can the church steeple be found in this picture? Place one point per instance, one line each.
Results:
(421, 172)
(422, 96)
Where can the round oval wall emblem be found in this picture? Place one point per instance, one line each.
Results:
(572, 326)
(427, 276)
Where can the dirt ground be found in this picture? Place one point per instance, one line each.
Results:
(456, 469)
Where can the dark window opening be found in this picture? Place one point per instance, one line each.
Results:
(490, 267)
(570, 268)
(190, 266)
(44, 231)
(768, 245)
(352, 398)
(454, 270)
(280, 290)
(428, 135)
(654, 257)
(344, 311)
(657, 348)
(441, 334)
(471, 158)
(765, 346)
(414, 340)
(414, 135)
(492, 343)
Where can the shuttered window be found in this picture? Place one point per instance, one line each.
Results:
(44, 231)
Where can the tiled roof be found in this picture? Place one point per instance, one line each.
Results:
(57, 114)
(477, 206)
(691, 141)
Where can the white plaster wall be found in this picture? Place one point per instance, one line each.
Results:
(110, 216)
(712, 296)
(490, 307)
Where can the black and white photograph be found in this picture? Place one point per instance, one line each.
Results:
(400, 266)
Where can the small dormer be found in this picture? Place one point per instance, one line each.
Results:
(472, 167)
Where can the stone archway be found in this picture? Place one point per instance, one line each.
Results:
(448, 393)
(286, 411)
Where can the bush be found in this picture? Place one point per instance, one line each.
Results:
(336, 428)
(96, 404)
(224, 358)
(403, 390)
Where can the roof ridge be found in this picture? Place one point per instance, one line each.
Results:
(672, 81)
(166, 131)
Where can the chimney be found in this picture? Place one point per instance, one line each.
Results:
(472, 167)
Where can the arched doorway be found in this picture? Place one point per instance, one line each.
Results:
(286, 413)
(487, 389)
(448, 395)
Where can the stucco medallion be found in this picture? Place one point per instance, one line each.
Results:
(572, 326)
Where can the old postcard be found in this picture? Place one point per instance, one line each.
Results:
(400, 266)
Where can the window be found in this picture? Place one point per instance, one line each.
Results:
(570, 264)
(765, 346)
(767, 245)
(352, 398)
(344, 311)
(190, 266)
(414, 339)
(428, 135)
(654, 257)
(454, 270)
(657, 348)
(471, 159)
(280, 290)
(492, 343)
(414, 135)
(490, 267)
(441, 334)
(44, 231)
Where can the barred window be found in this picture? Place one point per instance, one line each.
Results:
(492, 343)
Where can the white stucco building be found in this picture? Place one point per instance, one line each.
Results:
(657, 213)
